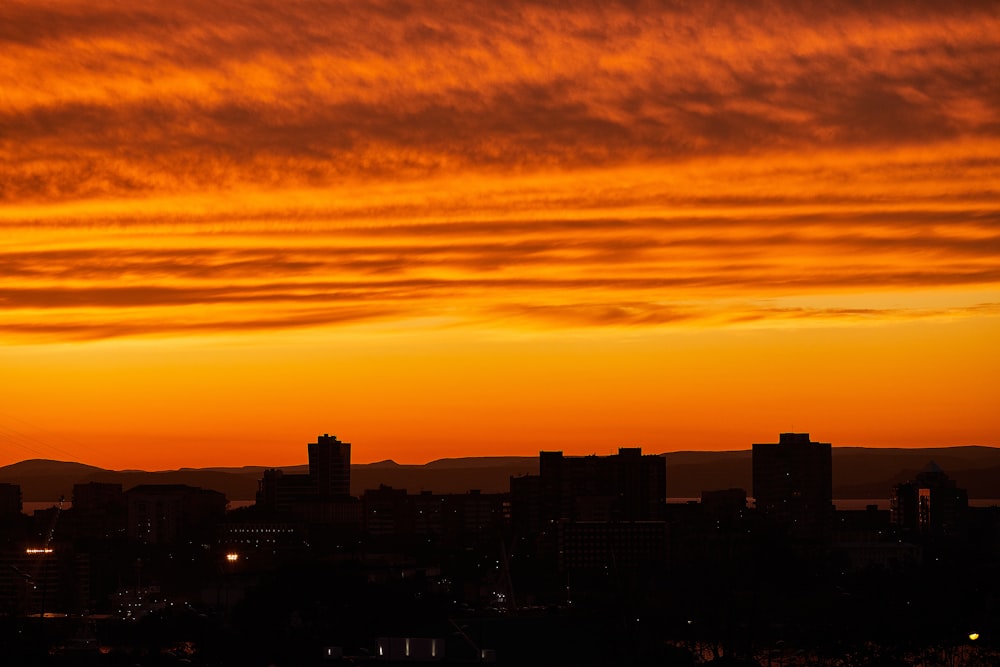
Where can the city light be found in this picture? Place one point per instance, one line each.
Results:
(46, 550)
(973, 636)
(232, 557)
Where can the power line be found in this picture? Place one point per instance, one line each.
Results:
(22, 440)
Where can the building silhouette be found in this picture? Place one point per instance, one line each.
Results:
(329, 476)
(932, 505)
(330, 466)
(793, 481)
(278, 491)
(10, 499)
(388, 511)
(99, 511)
(625, 546)
(627, 486)
(320, 496)
(248, 535)
(169, 513)
(30, 580)
(13, 524)
(453, 519)
(595, 520)
(724, 505)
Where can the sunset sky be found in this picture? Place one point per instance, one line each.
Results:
(486, 228)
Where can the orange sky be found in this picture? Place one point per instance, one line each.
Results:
(441, 229)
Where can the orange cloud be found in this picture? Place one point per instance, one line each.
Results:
(704, 241)
(628, 191)
(110, 101)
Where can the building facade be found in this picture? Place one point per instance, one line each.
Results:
(320, 496)
(793, 481)
(170, 513)
(10, 499)
(931, 505)
(330, 466)
(627, 486)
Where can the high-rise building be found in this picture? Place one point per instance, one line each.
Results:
(99, 510)
(330, 466)
(586, 516)
(169, 513)
(793, 481)
(453, 518)
(29, 580)
(627, 486)
(278, 491)
(10, 499)
(932, 505)
(322, 496)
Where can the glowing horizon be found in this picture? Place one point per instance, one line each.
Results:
(442, 232)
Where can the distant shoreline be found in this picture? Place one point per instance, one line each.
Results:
(30, 508)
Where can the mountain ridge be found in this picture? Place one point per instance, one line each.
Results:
(858, 472)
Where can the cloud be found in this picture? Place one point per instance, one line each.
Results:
(61, 329)
(182, 167)
(109, 101)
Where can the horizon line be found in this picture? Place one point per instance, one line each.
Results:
(491, 456)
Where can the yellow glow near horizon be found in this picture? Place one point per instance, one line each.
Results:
(456, 233)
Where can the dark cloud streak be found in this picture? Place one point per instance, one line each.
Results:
(282, 95)
(259, 164)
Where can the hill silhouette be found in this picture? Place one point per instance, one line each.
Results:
(43, 467)
(858, 472)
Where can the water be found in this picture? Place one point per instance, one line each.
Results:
(841, 503)
(30, 508)
(862, 503)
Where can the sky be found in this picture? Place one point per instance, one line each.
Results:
(441, 229)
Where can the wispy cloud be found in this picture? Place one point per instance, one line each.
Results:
(115, 101)
(265, 164)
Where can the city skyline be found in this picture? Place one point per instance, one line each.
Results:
(971, 457)
(441, 232)
(588, 548)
